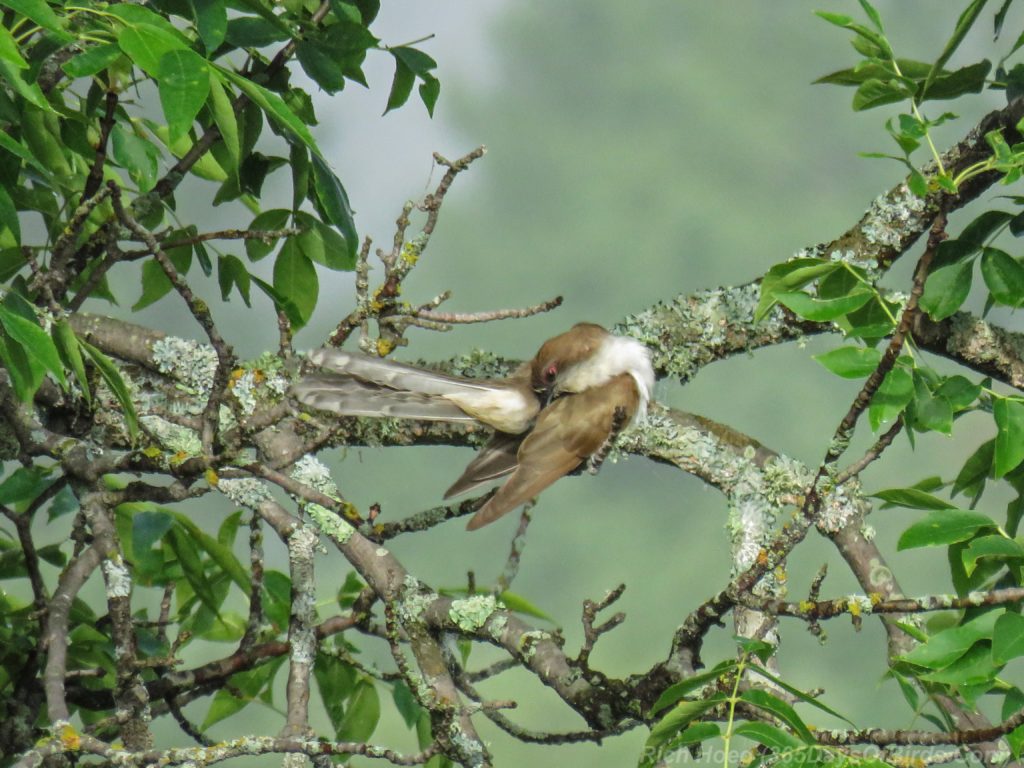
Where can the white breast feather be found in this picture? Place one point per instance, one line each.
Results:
(617, 355)
(504, 408)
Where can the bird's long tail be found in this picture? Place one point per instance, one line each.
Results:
(347, 396)
(388, 373)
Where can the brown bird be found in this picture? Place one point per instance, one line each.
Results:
(551, 415)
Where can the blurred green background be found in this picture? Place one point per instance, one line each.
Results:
(635, 152)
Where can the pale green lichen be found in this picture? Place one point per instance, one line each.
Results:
(172, 437)
(190, 363)
(244, 390)
(894, 217)
(328, 522)
(497, 625)
(839, 507)
(244, 491)
(471, 613)
(471, 750)
(117, 577)
(693, 330)
(310, 471)
(529, 640)
(415, 598)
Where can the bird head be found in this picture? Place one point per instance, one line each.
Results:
(553, 369)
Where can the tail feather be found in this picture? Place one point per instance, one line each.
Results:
(350, 397)
(495, 460)
(388, 373)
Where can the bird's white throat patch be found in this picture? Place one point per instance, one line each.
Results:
(616, 355)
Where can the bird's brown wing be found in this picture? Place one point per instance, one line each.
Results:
(567, 432)
(495, 460)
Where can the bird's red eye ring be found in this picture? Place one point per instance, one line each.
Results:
(550, 372)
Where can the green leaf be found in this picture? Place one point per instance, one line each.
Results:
(893, 395)
(823, 310)
(148, 527)
(9, 216)
(973, 668)
(677, 718)
(211, 21)
(1003, 275)
(789, 276)
(35, 341)
(277, 600)
(321, 64)
(116, 384)
(405, 703)
(796, 692)
(219, 553)
(19, 150)
(298, 159)
(1008, 638)
(336, 681)
(268, 221)
(31, 92)
(945, 647)
(295, 280)
(872, 321)
(274, 107)
(92, 60)
(876, 93)
(333, 203)
(931, 413)
(872, 14)
(978, 231)
(362, 713)
(24, 484)
(71, 354)
(915, 70)
(401, 85)
(226, 120)
(851, 362)
(946, 289)
(960, 392)
(155, 283)
(976, 470)
(223, 706)
(994, 546)
(138, 156)
(874, 38)
(695, 734)
(942, 527)
(321, 243)
(231, 272)
(774, 738)
(780, 709)
(9, 49)
(40, 12)
(430, 89)
(250, 32)
(963, 26)
(952, 85)
(146, 45)
(755, 648)
(26, 374)
(192, 566)
(1009, 418)
(184, 83)
(677, 691)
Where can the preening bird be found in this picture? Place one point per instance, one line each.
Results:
(550, 415)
